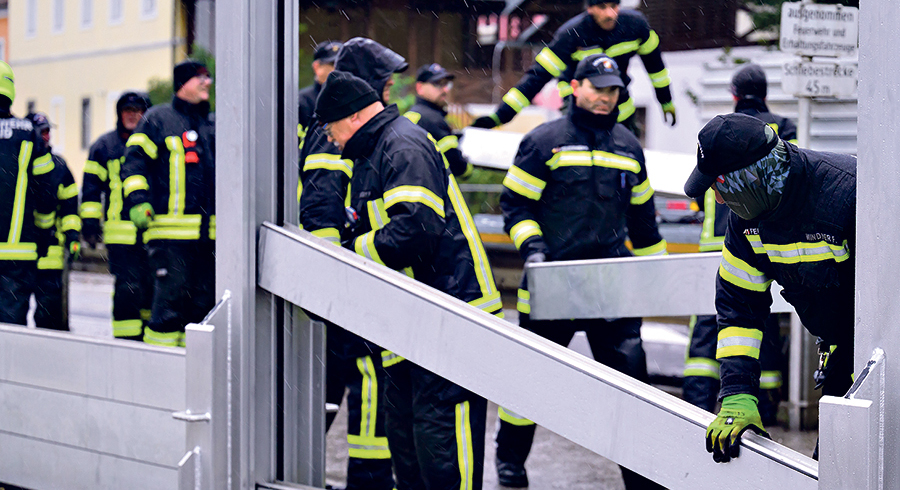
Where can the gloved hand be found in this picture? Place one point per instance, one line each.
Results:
(723, 437)
(535, 258)
(141, 215)
(486, 122)
(91, 232)
(74, 251)
(669, 110)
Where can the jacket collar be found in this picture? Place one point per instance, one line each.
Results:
(200, 109)
(751, 106)
(431, 105)
(590, 121)
(363, 142)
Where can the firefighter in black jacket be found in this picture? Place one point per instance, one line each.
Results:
(322, 64)
(601, 29)
(27, 204)
(169, 182)
(793, 221)
(102, 200)
(749, 88)
(51, 288)
(576, 185)
(412, 218)
(433, 83)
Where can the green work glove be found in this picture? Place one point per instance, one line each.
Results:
(74, 251)
(723, 437)
(669, 110)
(487, 122)
(141, 215)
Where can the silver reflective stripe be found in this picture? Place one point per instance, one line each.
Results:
(524, 184)
(738, 340)
(742, 274)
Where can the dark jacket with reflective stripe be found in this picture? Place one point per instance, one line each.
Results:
(67, 225)
(412, 216)
(101, 190)
(324, 177)
(432, 118)
(27, 192)
(574, 188)
(580, 37)
(170, 163)
(306, 109)
(807, 245)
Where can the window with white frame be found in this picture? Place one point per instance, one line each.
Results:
(58, 18)
(30, 18)
(148, 9)
(116, 12)
(87, 14)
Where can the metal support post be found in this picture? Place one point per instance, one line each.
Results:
(195, 469)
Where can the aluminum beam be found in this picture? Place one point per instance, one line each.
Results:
(611, 414)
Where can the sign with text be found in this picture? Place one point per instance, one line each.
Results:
(810, 29)
(817, 79)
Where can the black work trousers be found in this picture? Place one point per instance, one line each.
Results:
(183, 288)
(133, 290)
(50, 298)
(17, 279)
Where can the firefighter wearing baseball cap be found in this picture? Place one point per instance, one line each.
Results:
(576, 185)
(169, 190)
(322, 64)
(793, 220)
(602, 29)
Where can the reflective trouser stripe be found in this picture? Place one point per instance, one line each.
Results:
(165, 339)
(368, 396)
(53, 260)
(701, 366)
(770, 380)
(511, 417)
(127, 328)
(389, 359)
(738, 341)
(524, 303)
(18, 251)
(368, 447)
(464, 449)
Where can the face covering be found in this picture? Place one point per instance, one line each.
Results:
(756, 189)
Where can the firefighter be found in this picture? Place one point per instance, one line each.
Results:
(576, 185)
(169, 186)
(322, 64)
(51, 285)
(352, 362)
(701, 372)
(105, 219)
(793, 221)
(27, 204)
(601, 29)
(433, 84)
(412, 218)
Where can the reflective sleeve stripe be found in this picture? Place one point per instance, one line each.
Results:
(516, 99)
(53, 260)
(361, 447)
(141, 139)
(712, 245)
(378, 217)
(330, 234)
(165, 339)
(738, 341)
(611, 160)
(18, 251)
(584, 53)
(490, 303)
(658, 249)
(709, 242)
(650, 44)
(701, 366)
(413, 116)
(660, 79)
(368, 397)
(448, 143)
(524, 183)
(68, 192)
(741, 274)
(177, 179)
(464, 447)
(365, 245)
(770, 380)
(524, 303)
(43, 165)
(174, 227)
(328, 161)
(565, 89)
(119, 232)
(511, 417)
(44, 221)
(482, 267)
(180, 220)
(793, 253)
(94, 168)
(70, 223)
(135, 183)
(91, 210)
(127, 328)
(626, 109)
(794, 141)
(523, 230)
(18, 211)
(641, 193)
(171, 234)
(570, 159)
(623, 48)
(756, 243)
(389, 359)
(414, 194)
(548, 59)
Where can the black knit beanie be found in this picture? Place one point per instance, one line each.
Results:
(343, 95)
(186, 70)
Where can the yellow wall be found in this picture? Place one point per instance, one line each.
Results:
(58, 70)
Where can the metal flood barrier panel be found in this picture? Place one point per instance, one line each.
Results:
(615, 415)
(88, 413)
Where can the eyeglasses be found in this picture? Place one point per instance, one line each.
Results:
(327, 129)
(443, 84)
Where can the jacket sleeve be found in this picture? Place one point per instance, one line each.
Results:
(324, 177)
(94, 185)
(67, 197)
(640, 216)
(141, 156)
(448, 144)
(413, 210)
(743, 302)
(44, 189)
(653, 62)
(523, 185)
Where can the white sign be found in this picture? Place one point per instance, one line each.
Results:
(810, 29)
(808, 79)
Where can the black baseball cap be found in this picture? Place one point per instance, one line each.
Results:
(601, 70)
(598, 2)
(326, 52)
(728, 143)
(343, 95)
(40, 121)
(750, 81)
(433, 73)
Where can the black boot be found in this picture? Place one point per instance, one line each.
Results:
(512, 475)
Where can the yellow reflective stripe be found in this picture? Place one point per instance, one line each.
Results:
(570, 159)
(464, 449)
(524, 303)
(611, 160)
(328, 161)
(94, 168)
(524, 183)
(70, 223)
(584, 53)
(127, 328)
(330, 234)
(414, 194)
(171, 234)
(361, 447)
(18, 212)
(119, 233)
(91, 210)
(53, 260)
(174, 227)
(448, 143)
(116, 199)
(658, 249)
(68, 192)
(18, 251)
(365, 245)
(770, 380)
(388, 358)
(368, 396)
(626, 109)
(793, 253)
(548, 59)
(701, 366)
(489, 303)
(794, 141)
(141, 139)
(565, 89)
(135, 183)
(378, 217)
(483, 271)
(523, 230)
(623, 48)
(756, 243)
(165, 339)
(741, 274)
(44, 221)
(641, 193)
(738, 341)
(660, 79)
(511, 417)
(708, 240)
(43, 165)
(212, 227)
(516, 99)
(650, 44)
(413, 116)
(177, 177)
(183, 220)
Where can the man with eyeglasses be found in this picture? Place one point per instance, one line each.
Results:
(169, 186)
(433, 84)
